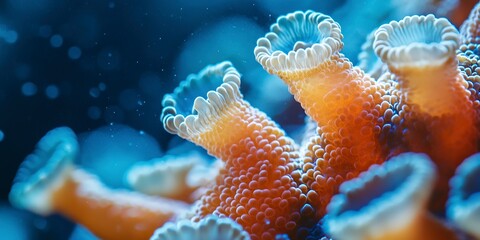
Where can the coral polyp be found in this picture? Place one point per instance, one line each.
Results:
(375, 163)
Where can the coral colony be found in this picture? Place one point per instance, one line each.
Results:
(391, 155)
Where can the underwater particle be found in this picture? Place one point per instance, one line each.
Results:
(211, 228)
(2, 135)
(74, 53)
(94, 112)
(56, 41)
(110, 151)
(387, 202)
(113, 113)
(52, 91)
(108, 59)
(29, 89)
(463, 205)
(45, 31)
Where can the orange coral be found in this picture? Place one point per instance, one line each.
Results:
(346, 103)
(254, 188)
(420, 51)
(48, 182)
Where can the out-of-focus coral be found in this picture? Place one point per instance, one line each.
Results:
(424, 99)
(175, 177)
(463, 206)
(211, 227)
(48, 182)
(387, 202)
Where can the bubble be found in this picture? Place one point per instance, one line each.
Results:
(56, 41)
(29, 89)
(74, 53)
(10, 36)
(52, 91)
(94, 112)
(102, 86)
(94, 92)
(2, 135)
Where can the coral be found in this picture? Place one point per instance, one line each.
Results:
(345, 103)
(181, 176)
(387, 202)
(425, 98)
(254, 187)
(463, 206)
(211, 227)
(48, 182)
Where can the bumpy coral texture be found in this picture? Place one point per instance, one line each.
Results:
(255, 188)
(275, 189)
(361, 121)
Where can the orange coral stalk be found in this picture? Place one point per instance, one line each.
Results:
(438, 116)
(303, 49)
(254, 187)
(48, 182)
(112, 214)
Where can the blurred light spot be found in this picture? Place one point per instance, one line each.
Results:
(8, 35)
(102, 86)
(94, 92)
(56, 41)
(94, 112)
(111, 4)
(52, 91)
(108, 59)
(29, 89)
(45, 31)
(74, 53)
(22, 72)
(2, 135)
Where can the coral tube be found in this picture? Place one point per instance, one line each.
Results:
(48, 182)
(303, 49)
(254, 188)
(438, 116)
(387, 202)
(463, 206)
